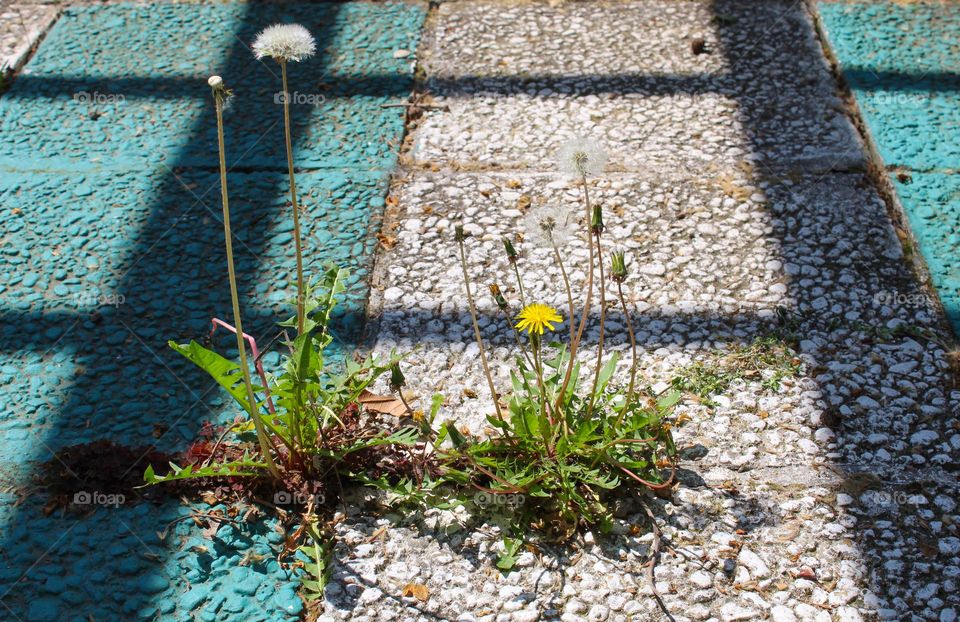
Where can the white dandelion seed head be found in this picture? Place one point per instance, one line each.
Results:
(284, 42)
(215, 81)
(582, 157)
(547, 225)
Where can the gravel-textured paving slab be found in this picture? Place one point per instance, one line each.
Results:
(128, 103)
(521, 79)
(897, 59)
(22, 26)
(711, 270)
(747, 547)
(112, 244)
(830, 497)
(871, 405)
(101, 272)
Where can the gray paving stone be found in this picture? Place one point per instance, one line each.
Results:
(521, 79)
(21, 26)
(714, 258)
(712, 261)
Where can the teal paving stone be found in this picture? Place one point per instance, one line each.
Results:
(118, 86)
(157, 240)
(932, 204)
(112, 244)
(901, 63)
(66, 565)
(96, 363)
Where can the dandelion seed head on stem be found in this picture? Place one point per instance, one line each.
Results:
(283, 42)
(547, 225)
(582, 157)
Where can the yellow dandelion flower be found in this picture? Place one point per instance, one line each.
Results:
(535, 317)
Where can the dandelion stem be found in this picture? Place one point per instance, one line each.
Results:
(537, 343)
(516, 270)
(297, 239)
(575, 342)
(566, 284)
(266, 445)
(633, 351)
(603, 320)
(476, 328)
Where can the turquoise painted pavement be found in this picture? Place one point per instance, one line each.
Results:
(111, 244)
(901, 60)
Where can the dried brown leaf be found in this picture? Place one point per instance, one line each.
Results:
(417, 590)
(384, 404)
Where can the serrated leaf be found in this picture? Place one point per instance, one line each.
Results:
(224, 371)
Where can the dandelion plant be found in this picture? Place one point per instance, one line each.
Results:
(565, 440)
(220, 93)
(283, 43)
(582, 158)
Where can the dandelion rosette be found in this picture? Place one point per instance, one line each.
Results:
(545, 226)
(536, 317)
(284, 42)
(582, 157)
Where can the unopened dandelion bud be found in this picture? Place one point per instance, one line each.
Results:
(458, 234)
(397, 380)
(220, 90)
(596, 220)
(498, 297)
(618, 269)
(511, 251)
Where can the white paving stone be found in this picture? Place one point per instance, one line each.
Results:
(21, 26)
(521, 79)
(830, 497)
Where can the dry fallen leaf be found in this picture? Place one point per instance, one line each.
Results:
(417, 590)
(385, 404)
(387, 242)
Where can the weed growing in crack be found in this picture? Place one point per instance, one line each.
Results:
(565, 434)
(314, 422)
(767, 359)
